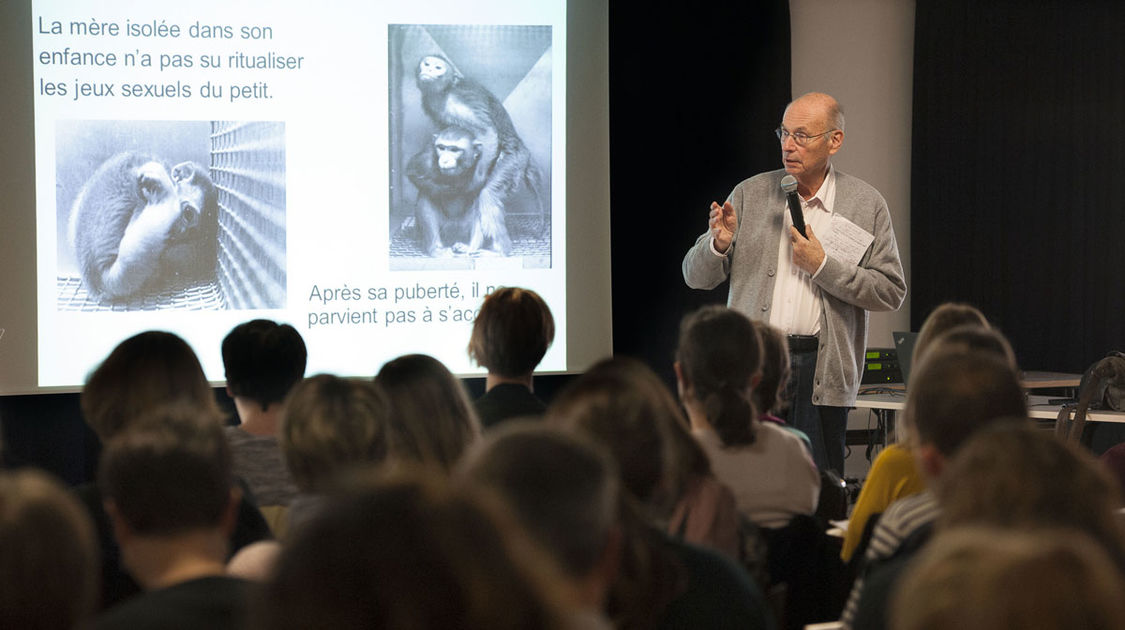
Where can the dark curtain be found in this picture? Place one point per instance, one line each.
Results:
(695, 93)
(1016, 183)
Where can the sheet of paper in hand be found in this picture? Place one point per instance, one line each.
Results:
(846, 241)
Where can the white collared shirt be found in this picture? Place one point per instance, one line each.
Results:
(796, 303)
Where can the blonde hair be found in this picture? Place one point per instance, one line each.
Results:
(999, 579)
(329, 424)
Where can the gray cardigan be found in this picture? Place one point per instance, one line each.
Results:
(848, 292)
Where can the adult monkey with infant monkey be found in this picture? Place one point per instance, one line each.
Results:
(451, 100)
(445, 175)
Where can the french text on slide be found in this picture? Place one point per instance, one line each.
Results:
(145, 48)
(388, 307)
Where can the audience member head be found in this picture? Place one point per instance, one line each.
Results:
(942, 319)
(512, 332)
(625, 407)
(431, 418)
(1015, 476)
(144, 371)
(768, 395)
(169, 474)
(408, 553)
(954, 394)
(973, 338)
(49, 564)
(718, 364)
(263, 361)
(565, 491)
(997, 579)
(330, 424)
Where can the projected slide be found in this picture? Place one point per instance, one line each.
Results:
(367, 172)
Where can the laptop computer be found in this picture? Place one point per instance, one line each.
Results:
(904, 347)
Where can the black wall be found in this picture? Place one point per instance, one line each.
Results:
(1017, 203)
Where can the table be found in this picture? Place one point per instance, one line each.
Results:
(891, 398)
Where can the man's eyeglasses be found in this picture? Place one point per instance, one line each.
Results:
(801, 138)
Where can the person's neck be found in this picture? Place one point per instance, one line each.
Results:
(492, 380)
(810, 186)
(161, 561)
(696, 416)
(255, 420)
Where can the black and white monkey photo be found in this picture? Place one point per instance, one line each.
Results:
(135, 221)
(180, 215)
(491, 195)
(449, 215)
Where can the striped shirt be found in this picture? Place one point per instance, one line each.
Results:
(901, 519)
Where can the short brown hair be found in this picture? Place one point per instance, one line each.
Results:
(48, 569)
(623, 405)
(144, 371)
(954, 393)
(999, 579)
(331, 423)
(512, 332)
(431, 419)
(1015, 476)
(169, 473)
(405, 552)
(564, 489)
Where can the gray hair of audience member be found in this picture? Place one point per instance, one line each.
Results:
(49, 564)
(942, 319)
(623, 405)
(330, 424)
(170, 473)
(955, 392)
(404, 551)
(775, 368)
(511, 332)
(999, 579)
(563, 489)
(263, 360)
(146, 370)
(1013, 475)
(432, 420)
(718, 360)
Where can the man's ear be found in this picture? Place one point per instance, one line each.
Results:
(229, 518)
(930, 461)
(683, 385)
(122, 532)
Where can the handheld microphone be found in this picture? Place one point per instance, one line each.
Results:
(789, 187)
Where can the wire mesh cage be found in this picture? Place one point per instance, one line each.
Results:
(248, 168)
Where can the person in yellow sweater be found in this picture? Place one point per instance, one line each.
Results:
(893, 474)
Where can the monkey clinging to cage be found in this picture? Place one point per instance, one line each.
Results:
(136, 225)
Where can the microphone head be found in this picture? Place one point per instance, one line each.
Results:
(788, 184)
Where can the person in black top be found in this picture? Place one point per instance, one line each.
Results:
(510, 336)
(143, 372)
(168, 492)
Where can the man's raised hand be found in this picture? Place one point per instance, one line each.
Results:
(723, 223)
